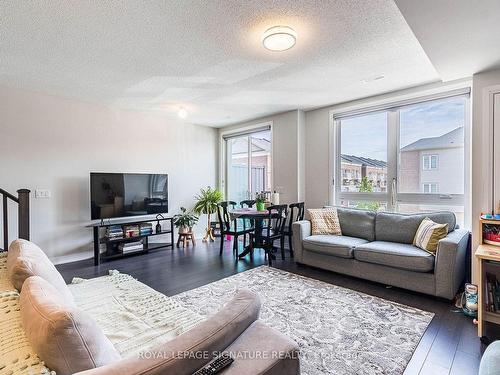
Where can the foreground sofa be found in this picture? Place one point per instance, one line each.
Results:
(378, 246)
(69, 341)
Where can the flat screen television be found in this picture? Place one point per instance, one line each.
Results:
(115, 195)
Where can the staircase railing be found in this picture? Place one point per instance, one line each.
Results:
(23, 216)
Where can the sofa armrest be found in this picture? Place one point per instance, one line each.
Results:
(262, 350)
(190, 351)
(449, 268)
(300, 229)
(490, 362)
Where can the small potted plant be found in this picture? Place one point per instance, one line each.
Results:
(260, 201)
(185, 221)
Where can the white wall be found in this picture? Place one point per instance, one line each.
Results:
(48, 142)
(286, 166)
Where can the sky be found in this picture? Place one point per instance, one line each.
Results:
(366, 135)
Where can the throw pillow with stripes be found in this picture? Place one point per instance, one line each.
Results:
(428, 235)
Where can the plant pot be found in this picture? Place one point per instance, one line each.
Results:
(183, 229)
(261, 206)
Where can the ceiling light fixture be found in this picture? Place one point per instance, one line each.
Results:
(279, 38)
(182, 113)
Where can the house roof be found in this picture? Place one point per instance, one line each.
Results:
(452, 139)
(363, 161)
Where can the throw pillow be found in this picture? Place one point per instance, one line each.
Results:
(25, 259)
(325, 221)
(428, 235)
(66, 338)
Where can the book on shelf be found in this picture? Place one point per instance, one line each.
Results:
(492, 293)
(114, 231)
(131, 230)
(131, 246)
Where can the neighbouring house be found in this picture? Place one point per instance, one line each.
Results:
(433, 165)
(354, 168)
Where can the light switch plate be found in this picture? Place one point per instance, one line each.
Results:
(42, 193)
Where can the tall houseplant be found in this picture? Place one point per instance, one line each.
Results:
(206, 203)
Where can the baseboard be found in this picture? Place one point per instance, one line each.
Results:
(72, 257)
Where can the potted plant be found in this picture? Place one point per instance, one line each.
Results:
(185, 221)
(260, 201)
(206, 203)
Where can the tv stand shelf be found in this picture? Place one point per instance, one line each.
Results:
(112, 244)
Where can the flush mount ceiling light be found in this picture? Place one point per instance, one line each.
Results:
(279, 38)
(182, 113)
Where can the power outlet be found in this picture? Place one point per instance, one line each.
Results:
(42, 193)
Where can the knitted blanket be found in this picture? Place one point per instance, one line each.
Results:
(16, 354)
(132, 315)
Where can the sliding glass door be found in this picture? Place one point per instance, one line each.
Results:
(406, 159)
(248, 165)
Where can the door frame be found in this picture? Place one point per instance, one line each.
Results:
(234, 131)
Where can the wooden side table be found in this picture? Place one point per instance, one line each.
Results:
(489, 261)
(185, 238)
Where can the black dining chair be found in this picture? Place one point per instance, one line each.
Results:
(276, 217)
(296, 213)
(229, 226)
(249, 203)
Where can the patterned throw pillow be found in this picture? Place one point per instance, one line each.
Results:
(428, 235)
(325, 221)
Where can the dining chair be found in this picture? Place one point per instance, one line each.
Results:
(229, 226)
(249, 203)
(296, 214)
(276, 217)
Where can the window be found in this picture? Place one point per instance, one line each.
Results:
(430, 188)
(248, 164)
(429, 162)
(409, 158)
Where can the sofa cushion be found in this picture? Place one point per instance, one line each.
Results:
(357, 223)
(25, 259)
(393, 254)
(340, 246)
(66, 339)
(392, 227)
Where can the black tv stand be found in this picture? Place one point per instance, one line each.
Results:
(112, 244)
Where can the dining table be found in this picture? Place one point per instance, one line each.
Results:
(257, 217)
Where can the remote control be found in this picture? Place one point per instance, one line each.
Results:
(215, 365)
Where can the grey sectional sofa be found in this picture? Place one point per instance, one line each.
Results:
(378, 246)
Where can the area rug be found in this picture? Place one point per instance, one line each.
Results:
(338, 330)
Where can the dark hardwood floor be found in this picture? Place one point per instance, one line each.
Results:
(449, 346)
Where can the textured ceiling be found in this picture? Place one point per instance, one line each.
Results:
(207, 55)
(461, 42)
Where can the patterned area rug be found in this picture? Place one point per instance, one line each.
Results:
(339, 331)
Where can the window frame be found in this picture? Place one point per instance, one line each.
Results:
(224, 135)
(392, 197)
(430, 156)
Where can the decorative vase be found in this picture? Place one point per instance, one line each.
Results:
(261, 206)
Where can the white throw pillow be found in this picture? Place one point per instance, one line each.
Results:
(25, 259)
